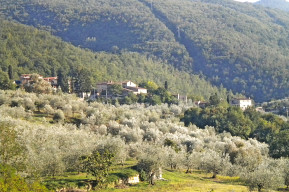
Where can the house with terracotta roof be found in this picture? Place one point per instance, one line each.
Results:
(52, 81)
(25, 79)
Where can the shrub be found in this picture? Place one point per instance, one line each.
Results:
(58, 116)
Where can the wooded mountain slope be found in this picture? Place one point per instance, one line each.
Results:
(244, 47)
(279, 4)
(29, 50)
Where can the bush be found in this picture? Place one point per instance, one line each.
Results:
(10, 181)
(58, 116)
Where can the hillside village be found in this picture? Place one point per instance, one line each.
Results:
(118, 90)
(143, 95)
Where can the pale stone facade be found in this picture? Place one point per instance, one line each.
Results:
(242, 103)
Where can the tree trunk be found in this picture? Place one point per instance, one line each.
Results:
(92, 185)
(151, 179)
(89, 186)
(260, 186)
(214, 175)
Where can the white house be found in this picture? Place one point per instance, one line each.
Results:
(136, 90)
(243, 103)
(128, 86)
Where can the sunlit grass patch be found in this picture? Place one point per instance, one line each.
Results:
(197, 181)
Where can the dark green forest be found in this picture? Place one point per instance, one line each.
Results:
(243, 47)
(29, 50)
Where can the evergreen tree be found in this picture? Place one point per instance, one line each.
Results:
(10, 72)
(166, 85)
(5, 82)
(62, 81)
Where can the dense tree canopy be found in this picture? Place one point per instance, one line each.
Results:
(267, 128)
(29, 50)
(243, 47)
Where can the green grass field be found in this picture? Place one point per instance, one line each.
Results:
(174, 181)
(196, 181)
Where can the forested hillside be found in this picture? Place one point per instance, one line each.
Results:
(239, 45)
(29, 50)
(279, 4)
(102, 26)
(244, 47)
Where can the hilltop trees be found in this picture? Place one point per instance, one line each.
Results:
(85, 68)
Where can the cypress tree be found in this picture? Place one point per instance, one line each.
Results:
(10, 72)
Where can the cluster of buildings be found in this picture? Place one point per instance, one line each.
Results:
(103, 90)
(26, 79)
(128, 87)
(243, 103)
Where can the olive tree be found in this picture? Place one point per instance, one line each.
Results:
(214, 162)
(191, 160)
(285, 167)
(268, 175)
(150, 163)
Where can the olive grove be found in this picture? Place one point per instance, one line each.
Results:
(154, 136)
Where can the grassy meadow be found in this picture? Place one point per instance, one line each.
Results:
(174, 180)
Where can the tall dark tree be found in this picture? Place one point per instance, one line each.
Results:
(166, 85)
(214, 99)
(5, 82)
(10, 72)
(81, 80)
(62, 81)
